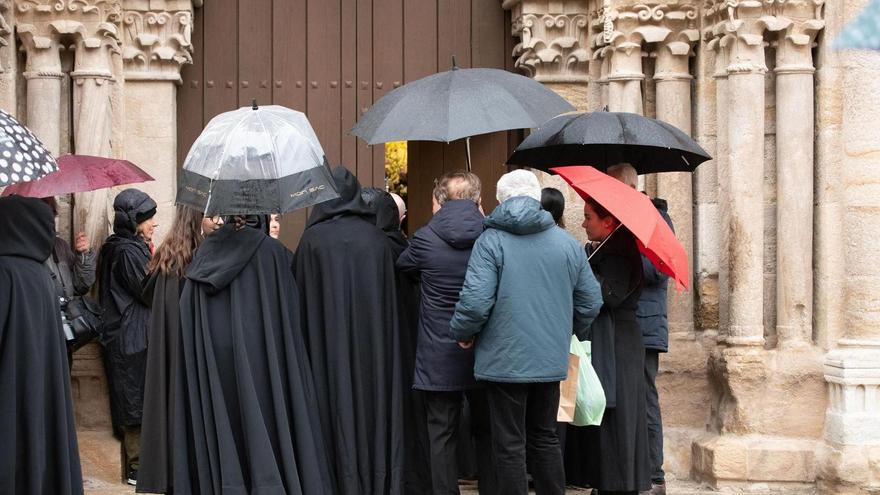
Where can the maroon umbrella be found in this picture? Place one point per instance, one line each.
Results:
(81, 173)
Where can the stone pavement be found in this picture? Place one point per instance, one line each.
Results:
(99, 453)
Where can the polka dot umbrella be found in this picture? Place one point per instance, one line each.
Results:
(23, 157)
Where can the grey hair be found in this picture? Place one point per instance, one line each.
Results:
(518, 183)
(457, 185)
(624, 172)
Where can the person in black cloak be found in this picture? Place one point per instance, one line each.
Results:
(122, 269)
(417, 474)
(613, 457)
(244, 415)
(345, 270)
(38, 454)
(164, 284)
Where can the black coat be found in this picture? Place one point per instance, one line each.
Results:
(154, 473)
(245, 419)
(122, 270)
(345, 271)
(417, 476)
(439, 253)
(38, 451)
(614, 456)
(652, 313)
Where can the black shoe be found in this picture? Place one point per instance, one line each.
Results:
(132, 477)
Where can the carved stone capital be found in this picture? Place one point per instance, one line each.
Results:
(157, 44)
(553, 37)
(92, 26)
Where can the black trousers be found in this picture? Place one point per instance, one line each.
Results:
(655, 420)
(444, 417)
(523, 419)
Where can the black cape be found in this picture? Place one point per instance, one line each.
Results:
(38, 451)
(345, 271)
(164, 336)
(122, 270)
(614, 456)
(245, 420)
(417, 443)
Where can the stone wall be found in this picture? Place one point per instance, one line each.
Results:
(98, 77)
(772, 372)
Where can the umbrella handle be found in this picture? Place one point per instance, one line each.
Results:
(467, 143)
(619, 225)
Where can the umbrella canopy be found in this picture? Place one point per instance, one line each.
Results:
(603, 139)
(255, 160)
(863, 33)
(635, 211)
(81, 173)
(459, 103)
(23, 157)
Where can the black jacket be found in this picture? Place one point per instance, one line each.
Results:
(439, 252)
(652, 312)
(122, 270)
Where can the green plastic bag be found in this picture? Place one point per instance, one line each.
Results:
(590, 406)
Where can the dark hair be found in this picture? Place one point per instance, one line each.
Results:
(599, 209)
(177, 250)
(553, 201)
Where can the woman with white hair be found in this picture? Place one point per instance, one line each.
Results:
(521, 325)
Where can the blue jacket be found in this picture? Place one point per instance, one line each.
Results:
(652, 312)
(528, 287)
(439, 252)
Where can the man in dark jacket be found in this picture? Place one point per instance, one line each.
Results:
(122, 269)
(523, 322)
(439, 253)
(652, 318)
(38, 453)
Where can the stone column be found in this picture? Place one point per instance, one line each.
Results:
(625, 76)
(553, 49)
(43, 75)
(92, 78)
(745, 176)
(794, 165)
(156, 45)
(673, 105)
(8, 54)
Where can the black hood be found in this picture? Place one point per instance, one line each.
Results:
(384, 209)
(27, 228)
(459, 223)
(660, 204)
(223, 255)
(349, 201)
(132, 207)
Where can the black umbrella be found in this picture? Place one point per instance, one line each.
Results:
(23, 157)
(602, 139)
(459, 103)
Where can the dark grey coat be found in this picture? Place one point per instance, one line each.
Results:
(440, 252)
(652, 312)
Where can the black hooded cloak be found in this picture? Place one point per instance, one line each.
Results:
(417, 475)
(38, 451)
(122, 269)
(245, 420)
(345, 271)
(164, 335)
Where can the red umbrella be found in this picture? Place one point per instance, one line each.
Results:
(635, 211)
(81, 173)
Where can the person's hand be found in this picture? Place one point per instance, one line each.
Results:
(466, 344)
(81, 243)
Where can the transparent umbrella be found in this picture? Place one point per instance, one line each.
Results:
(256, 160)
